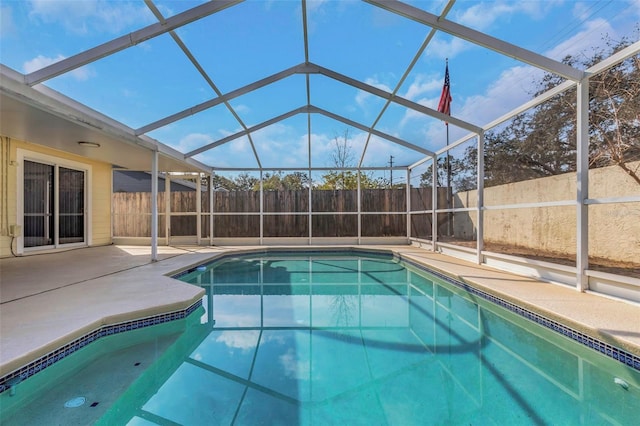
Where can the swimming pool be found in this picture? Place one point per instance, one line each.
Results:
(367, 339)
(80, 387)
(333, 338)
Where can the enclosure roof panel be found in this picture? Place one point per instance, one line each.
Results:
(228, 82)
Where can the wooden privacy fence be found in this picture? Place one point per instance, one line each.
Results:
(285, 213)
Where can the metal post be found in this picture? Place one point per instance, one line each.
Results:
(154, 206)
(450, 215)
(198, 208)
(211, 209)
(480, 200)
(167, 209)
(408, 192)
(434, 202)
(359, 209)
(310, 209)
(582, 186)
(261, 209)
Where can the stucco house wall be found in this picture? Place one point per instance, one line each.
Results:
(99, 191)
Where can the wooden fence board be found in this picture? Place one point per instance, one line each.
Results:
(132, 213)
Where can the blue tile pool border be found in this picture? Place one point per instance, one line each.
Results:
(287, 251)
(627, 358)
(51, 358)
(620, 355)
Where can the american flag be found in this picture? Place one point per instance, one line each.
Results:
(444, 106)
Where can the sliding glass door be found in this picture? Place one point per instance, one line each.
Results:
(54, 205)
(70, 206)
(38, 204)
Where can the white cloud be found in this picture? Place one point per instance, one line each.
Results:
(362, 97)
(635, 7)
(510, 90)
(379, 152)
(293, 367)
(241, 146)
(315, 13)
(128, 93)
(323, 146)
(218, 156)
(421, 85)
(244, 340)
(279, 144)
(483, 15)
(314, 6)
(586, 40)
(321, 149)
(241, 109)
(40, 61)
(90, 16)
(193, 141)
(411, 114)
(7, 27)
(450, 48)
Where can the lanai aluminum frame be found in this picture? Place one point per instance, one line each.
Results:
(575, 78)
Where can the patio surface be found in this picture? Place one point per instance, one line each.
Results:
(49, 300)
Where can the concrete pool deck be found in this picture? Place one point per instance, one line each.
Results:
(49, 300)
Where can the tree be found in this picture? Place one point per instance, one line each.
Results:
(296, 180)
(244, 182)
(614, 124)
(221, 182)
(542, 142)
(463, 172)
(343, 158)
(280, 182)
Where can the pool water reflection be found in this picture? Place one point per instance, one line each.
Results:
(344, 339)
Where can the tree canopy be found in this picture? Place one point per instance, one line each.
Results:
(542, 141)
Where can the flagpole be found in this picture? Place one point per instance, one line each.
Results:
(449, 191)
(444, 106)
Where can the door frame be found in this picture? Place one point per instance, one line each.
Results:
(21, 156)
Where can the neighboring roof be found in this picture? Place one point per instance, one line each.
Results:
(231, 85)
(135, 181)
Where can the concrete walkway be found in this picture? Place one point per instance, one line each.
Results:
(49, 300)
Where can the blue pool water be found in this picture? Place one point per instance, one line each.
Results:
(332, 339)
(340, 339)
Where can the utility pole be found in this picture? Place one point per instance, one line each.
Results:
(391, 170)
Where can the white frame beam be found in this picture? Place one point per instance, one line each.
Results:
(481, 39)
(125, 41)
(246, 131)
(219, 100)
(307, 110)
(582, 186)
(434, 201)
(154, 206)
(480, 198)
(364, 128)
(413, 62)
(396, 99)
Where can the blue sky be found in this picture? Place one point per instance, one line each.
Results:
(255, 39)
